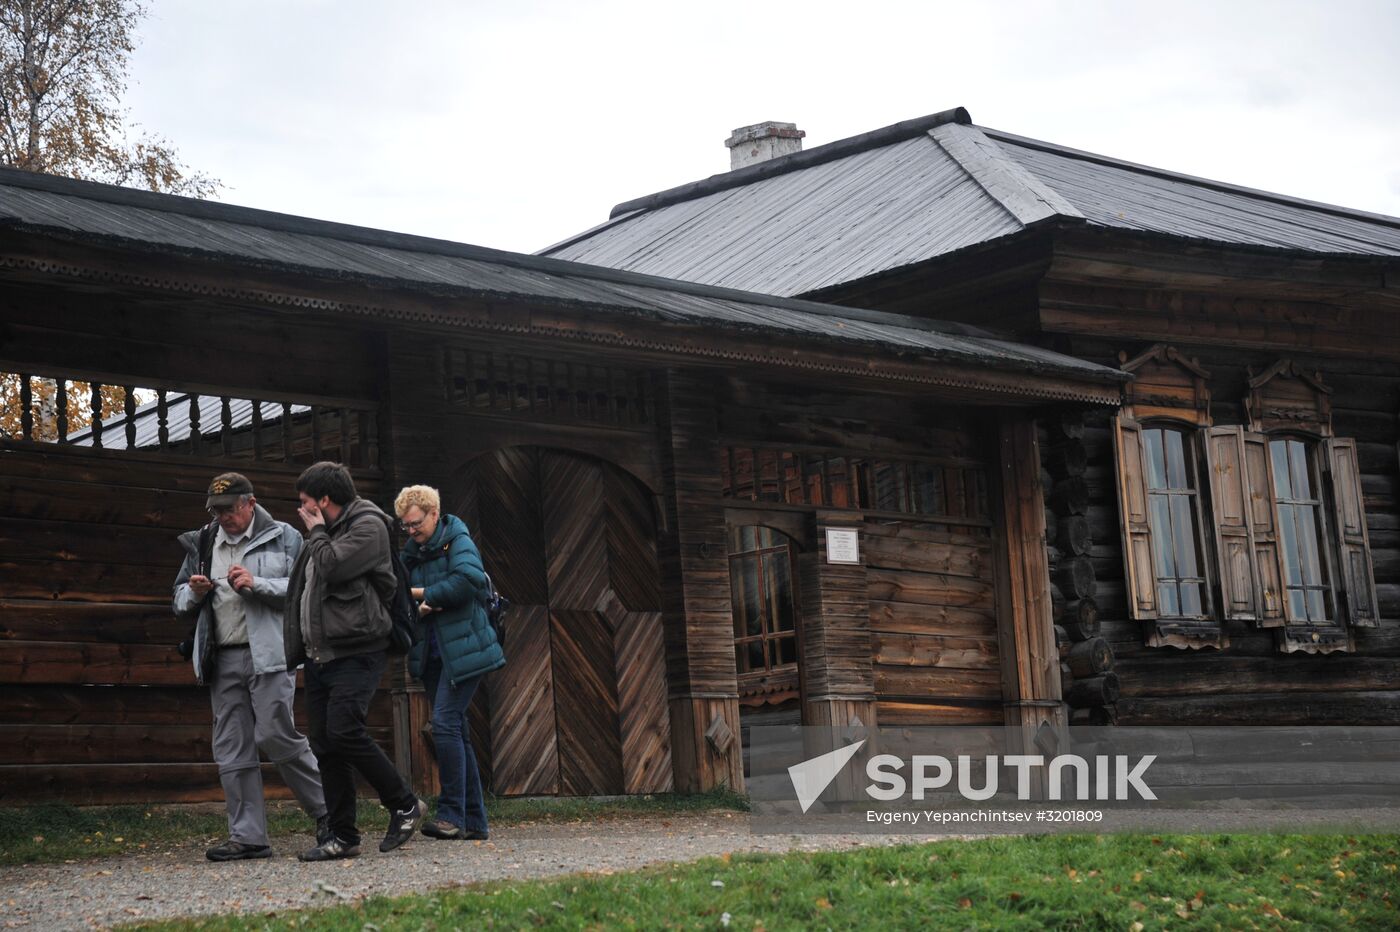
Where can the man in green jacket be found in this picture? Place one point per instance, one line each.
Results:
(338, 622)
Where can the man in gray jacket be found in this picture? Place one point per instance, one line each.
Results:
(234, 583)
(338, 622)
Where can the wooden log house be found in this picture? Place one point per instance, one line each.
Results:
(651, 469)
(1226, 547)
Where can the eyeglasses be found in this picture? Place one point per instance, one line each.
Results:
(222, 510)
(413, 525)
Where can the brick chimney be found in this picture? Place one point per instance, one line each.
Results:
(763, 141)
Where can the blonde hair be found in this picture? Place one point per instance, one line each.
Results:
(424, 496)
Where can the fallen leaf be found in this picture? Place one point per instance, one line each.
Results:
(823, 903)
(964, 903)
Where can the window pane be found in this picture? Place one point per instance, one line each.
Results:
(1167, 602)
(755, 654)
(1156, 461)
(1176, 460)
(1316, 605)
(812, 474)
(1297, 605)
(1307, 534)
(785, 650)
(1184, 536)
(1191, 599)
(1298, 462)
(1163, 555)
(928, 489)
(780, 591)
(1288, 542)
(886, 496)
(1278, 452)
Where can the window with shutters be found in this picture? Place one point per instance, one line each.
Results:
(1273, 535)
(1161, 505)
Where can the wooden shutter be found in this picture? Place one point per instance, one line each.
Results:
(1357, 577)
(1133, 522)
(1234, 545)
(1263, 525)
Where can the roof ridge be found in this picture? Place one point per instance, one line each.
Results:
(886, 135)
(1027, 197)
(1110, 161)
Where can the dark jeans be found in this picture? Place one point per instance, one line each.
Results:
(461, 801)
(338, 694)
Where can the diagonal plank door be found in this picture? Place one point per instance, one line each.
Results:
(580, 707)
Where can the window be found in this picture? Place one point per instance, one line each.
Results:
(952, 493)
(1301, 540)
(761, 584)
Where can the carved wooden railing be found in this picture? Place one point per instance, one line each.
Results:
(546, 389)
(72, 413)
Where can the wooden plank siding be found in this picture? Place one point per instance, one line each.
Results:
(1250, 682)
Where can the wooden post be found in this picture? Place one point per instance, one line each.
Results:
(1025, 632)
(838, 677)
(838, 680)
(706, 750)
(1030, 662)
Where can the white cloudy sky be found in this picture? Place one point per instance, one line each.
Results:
(514, 123)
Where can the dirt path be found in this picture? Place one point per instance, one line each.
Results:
(101, 893)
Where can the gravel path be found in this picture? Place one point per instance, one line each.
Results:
(101, 893)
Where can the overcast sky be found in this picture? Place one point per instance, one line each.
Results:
(515, 124)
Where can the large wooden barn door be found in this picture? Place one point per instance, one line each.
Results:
(580, 708)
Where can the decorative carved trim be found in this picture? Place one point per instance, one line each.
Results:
(1166, 384)
(1286, 397)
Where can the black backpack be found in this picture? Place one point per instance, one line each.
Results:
(496, 607)
(403, 611)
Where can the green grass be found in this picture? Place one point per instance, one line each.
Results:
(1126, 882)
(55, 833)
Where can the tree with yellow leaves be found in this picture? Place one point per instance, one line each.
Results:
(63, 66)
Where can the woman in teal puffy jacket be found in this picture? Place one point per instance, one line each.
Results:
(459, 647)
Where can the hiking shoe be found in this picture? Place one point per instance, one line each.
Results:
(331, 850)
(237, 851)
(323, 829)
(402, 825)
(475, 836)
(436, 828)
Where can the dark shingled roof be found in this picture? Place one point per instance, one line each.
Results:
(926, 188)
(121, 217)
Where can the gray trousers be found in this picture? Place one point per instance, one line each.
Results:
(252, 713)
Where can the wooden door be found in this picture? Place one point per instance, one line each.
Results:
(580, 707)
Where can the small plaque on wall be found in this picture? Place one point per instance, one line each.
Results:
(842, 545)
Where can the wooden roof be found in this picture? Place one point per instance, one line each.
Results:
(928, 188)
(156, 224)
